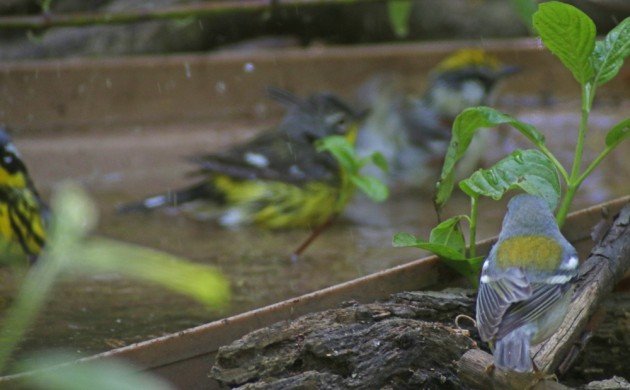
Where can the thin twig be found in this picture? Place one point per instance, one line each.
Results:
(314, 234)
(47, 20)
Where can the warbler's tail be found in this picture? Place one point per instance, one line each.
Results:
(171, 198)
(512, 352)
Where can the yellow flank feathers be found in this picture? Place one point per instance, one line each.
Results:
(469, 57)
(536, 252)
(278, 205)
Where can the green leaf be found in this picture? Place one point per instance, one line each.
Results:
(608, 56)
(618, 133)
(198, 281)
(399, 12)
(342, 150)
(464, 128)
(102, 375)
(446, 240)
(529, 170)
(371, 186)
(380, 161)
(569, 34)
(449, 233)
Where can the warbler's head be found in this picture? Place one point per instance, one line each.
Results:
(464, 79)
(13, 172)
(320, 115)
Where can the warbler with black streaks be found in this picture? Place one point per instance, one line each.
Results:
(276, 180)
(23, 214)
(413, 132)
(526, 283)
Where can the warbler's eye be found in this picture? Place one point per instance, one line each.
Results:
(11, 163)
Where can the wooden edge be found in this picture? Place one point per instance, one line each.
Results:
(207, 338)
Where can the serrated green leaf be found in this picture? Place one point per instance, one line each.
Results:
(371, 186)
(608, 56)
(618, 133)
(464, 128)
(198, 281)
(399, 12)
(529, 170)
(103, 375)
(569, 34)
(380, 161)
(342, 150)
(449, 233)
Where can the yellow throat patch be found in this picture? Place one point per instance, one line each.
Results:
(469, 57)
(537, 252)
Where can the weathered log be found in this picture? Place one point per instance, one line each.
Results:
(388, 344)
(608, 262)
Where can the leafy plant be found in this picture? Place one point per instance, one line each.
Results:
(399, 12)
(70, 248)
(351, 165)
(570, 35)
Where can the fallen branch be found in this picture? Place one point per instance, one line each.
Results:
(606, 265)
(48, 20)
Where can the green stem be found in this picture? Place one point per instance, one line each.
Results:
(555, 162)
(593, 165)
(588, 93)
(472, 236)
(37, 285)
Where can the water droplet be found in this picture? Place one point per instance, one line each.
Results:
(220, 87)
(187, 70)
(249, 67)
(108, 83)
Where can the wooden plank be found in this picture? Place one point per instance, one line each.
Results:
(69, 94)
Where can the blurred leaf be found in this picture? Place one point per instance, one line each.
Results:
(402, 240)
(569, 34)
(618, 133)
(529, 170)
(464, 128)
(608, 56)
(201, 282)
(372, 187)
(380, 161)
(525, 10)
(399, 12)
(102, 375)
(342, 150)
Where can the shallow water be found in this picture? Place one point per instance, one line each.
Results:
(95, 314)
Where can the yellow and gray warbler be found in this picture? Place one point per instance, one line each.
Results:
(413, 131)
(276, 180)
(526, 283)
(23, 214)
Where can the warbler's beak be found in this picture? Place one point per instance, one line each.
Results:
(508, 70)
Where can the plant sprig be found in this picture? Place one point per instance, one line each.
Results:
(570, 35)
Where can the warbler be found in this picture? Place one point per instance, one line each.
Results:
(526, 283)
(23, 214)
(413, 131)
(278, 179)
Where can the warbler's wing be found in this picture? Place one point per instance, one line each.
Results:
(544, 297)
(497, 292)
(24, 218)
(270, 156)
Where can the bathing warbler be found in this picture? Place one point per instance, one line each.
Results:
(526, 283)
(22, 212)
(276, 180)
(413, 131)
